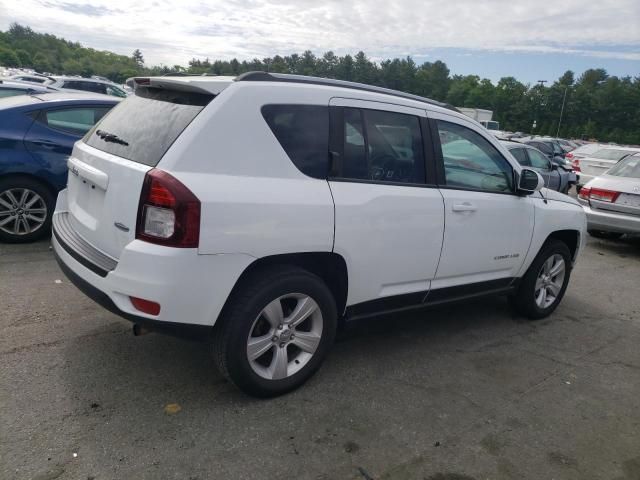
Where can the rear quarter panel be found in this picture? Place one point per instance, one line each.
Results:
(253, 198)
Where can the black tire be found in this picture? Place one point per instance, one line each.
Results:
(605, 235)
(244, 307)
(523, 301)
(45, 194)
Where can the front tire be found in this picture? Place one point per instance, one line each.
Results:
(26, 208)
(275, 331)
(545, 282)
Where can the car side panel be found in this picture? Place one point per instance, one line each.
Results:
(550, 217)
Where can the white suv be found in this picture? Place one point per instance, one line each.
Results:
(260, 211)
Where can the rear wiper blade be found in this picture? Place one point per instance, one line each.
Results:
(111, 137)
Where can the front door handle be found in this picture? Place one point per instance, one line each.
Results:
(464, 207)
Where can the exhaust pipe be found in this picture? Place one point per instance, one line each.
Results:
(138, 331)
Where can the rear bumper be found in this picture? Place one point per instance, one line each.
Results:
(611, 221)
(190, 288)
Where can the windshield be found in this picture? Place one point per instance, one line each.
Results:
(611, 154)
(629, 167)
(493, 126)
(144, 126)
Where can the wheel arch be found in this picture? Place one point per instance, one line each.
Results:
(35, 178)
(330, 267)
(571, 238)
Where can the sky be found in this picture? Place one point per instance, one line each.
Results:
(530, 40)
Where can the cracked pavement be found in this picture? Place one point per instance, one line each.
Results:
(465, 392)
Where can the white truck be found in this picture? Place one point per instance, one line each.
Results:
(481, 116)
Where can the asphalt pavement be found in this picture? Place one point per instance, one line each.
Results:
(467, 392)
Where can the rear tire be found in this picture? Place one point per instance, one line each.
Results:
(605, 235)
(545, 282)
(26, 208)
(275, 331)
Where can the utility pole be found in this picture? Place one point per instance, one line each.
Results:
(535, 121)
(564, 97)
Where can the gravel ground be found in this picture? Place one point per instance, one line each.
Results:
(466, 392)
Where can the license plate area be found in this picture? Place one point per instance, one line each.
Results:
(85, 201)
(628, 200)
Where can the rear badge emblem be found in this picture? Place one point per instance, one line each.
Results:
(122, 227)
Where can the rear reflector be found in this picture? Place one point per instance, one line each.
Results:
(145, 306)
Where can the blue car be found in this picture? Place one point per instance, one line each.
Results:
(37, 133)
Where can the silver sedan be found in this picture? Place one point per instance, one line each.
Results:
(612, 200)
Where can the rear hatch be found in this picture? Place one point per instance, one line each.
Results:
(107, 168)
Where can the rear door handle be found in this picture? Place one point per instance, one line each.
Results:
(464, 207)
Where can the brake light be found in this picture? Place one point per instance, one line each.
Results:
(575, 164)
(569, 155)
(168, 212)
(584, 193)
(142, 81)
(603, 195)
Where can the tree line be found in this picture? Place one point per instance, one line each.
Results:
(597, 105)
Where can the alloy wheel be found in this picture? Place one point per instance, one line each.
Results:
(549, 281)
(284, 336)
(22, 211)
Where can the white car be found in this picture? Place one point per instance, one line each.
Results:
(599, 162)
(257, 212)
(612, 200)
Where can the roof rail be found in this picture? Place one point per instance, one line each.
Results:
(330, 82)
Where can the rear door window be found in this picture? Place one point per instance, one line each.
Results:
(303, 133)
(77, 120)
(538, 160)
(144, 126)
(382, 146)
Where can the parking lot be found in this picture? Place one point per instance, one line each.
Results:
(457, 393)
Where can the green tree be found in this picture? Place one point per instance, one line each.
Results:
(138, 58)
(8, 58)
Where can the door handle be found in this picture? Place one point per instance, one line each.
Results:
(464, 207)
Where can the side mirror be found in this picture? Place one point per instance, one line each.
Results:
(530, 181)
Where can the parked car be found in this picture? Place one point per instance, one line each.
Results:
(566, 145)
(37, 133)
(583, 151)
(612, 200)
(599, 162)
(555, 177)
(93, 85)
(10, 88)
(550, 147)
(345, 204)
(33, 78)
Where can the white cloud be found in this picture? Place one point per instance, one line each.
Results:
(173, 32)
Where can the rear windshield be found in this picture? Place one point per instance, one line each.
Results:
(629, 167)
(611, 154)
(144, 126)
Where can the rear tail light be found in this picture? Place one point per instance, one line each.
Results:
(168, 212)
(589, 193)
(569, 155)
(584, 193)
(603, 195)
(575, 164)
